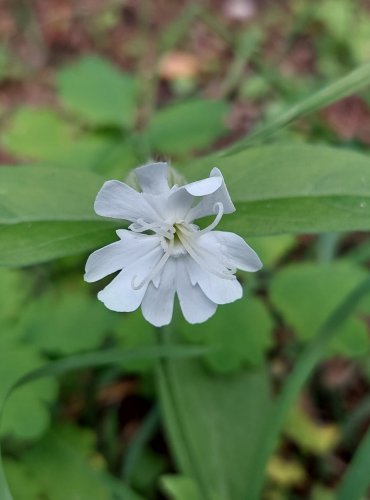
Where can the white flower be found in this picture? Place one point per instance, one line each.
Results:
(163, 252)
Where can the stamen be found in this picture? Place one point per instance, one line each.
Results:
(226, 274)
(219, 206)
(165, 230)
(155, 270)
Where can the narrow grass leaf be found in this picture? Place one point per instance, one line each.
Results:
(348, 85)
(308, 360)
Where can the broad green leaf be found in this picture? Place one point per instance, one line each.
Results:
(220, 418)
(181, 128)
(30, 194)
(331, 193)
(43, 135)
(64, 465)
(245, 343)
(14, 287)
(271, 249)
(47, 213)
(306, 295)
(65, 323)
(133, 331)
(26, 415)
(36, 133)
(97, 92)
(293, 189)
(30, 243)
(180, 488)
(338, 16)
(343, 87)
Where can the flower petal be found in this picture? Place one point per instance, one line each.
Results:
(218, 290)
(206, 205)
(119, 254)
(203, 187)
(195, 305)
(237, 252)
(104, 261)
(120, 295)
(179, 203)
(153, 178)
(157, 304)
(120, 201)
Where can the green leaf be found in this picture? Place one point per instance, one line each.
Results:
(271, 249)
(338, 17)
(310, 357)
(182, 128)
(30, 243)
(47, 213)
(30, 194)
(43, 135)
(180, 488)
(65, 323)
(293, 189)
(14, 287)
(356, 480)
(14, 372)
(133, 331)
(343, 87)
(36, 133)
(306, 295)
(30, 401)
(269, 196)
(245, 343)
(97, 92)
(216, 417)
(307, 361)
(64, 465)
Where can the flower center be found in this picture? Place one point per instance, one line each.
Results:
(180, 238)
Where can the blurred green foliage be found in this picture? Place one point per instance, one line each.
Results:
(213, 409)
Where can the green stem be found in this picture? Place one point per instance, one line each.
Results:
(175, 419)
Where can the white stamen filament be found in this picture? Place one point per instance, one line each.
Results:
(225, 274)
(184, 232)
(220, 212)
(155, 270)
(165, 230)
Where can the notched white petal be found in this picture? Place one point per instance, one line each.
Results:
(195, 305)
(218, 290)
(158, 302)
(120, 295)
(105, 261)
(203, 187)
(234, 249)
(206, 205)
(119, 201)
(153, 178)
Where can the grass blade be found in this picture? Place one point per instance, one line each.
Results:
(357, 478)
(348, 85)
(308, 360)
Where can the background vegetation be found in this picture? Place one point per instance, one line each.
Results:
(270, 398)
